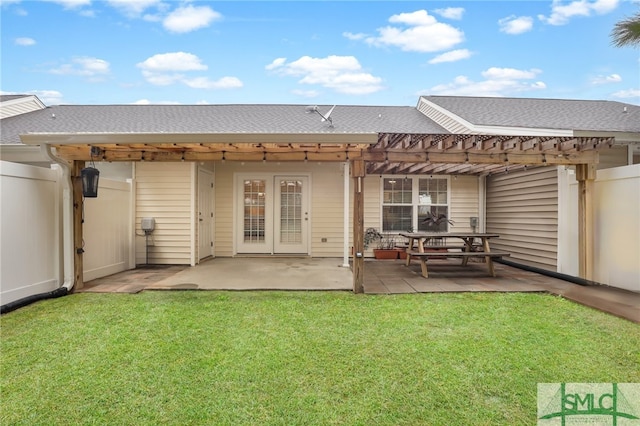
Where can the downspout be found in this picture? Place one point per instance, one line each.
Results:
(67, 241)
(345, 225)
(67, 218)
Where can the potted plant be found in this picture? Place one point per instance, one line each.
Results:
(371, 235)
(435, 222)
(386, 247)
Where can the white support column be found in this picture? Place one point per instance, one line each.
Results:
(482, 203)
(346, 218)
(194, 213)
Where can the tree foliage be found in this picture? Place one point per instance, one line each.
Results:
(627, 32)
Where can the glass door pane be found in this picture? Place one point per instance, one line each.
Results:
(291, 211)
(254, 211)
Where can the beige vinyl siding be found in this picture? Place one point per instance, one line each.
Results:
(20, 106)
(164, 192)
(523, 208)
(327, 211)
(615, 156)
(223, 213)
(464, 202)
(372, 207)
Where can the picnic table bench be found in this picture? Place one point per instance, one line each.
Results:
(419, 247)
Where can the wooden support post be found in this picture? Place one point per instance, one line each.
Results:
(358, 173)
(585, 175)
(78, 208)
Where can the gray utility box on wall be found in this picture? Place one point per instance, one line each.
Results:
(148, 224)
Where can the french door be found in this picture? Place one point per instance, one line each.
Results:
(274, 214)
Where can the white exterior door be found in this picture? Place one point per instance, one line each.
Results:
(205, 213)
(273, 214)
(291, 224)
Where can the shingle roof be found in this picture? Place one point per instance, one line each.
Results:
(6, 98)
(268, 119)
(587, 115)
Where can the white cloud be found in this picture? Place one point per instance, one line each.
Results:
(516, 25)
(495, 73)
(342, 74)
(175, 61)
(451, 56)
(498, 82)
(92, 68)
(48, 97)
(148, 102)
(132, 8)
(628, 94)
(71, 4)
(450, 12)
(190, 18)
(417, 32)
(306, 93)
(561, 12)
(206, 83)
(165, 69)
(605, 79)
(355, 37)
(276, 63)
(162, 79)
(25, 41)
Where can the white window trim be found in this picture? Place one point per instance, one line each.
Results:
(415, 190)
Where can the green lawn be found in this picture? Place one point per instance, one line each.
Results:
(294, 358)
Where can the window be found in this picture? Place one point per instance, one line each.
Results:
(420, 203)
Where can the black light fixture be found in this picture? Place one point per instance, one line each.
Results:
(90, 176)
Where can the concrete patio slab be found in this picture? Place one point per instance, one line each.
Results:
(381, 277)
(245, 273)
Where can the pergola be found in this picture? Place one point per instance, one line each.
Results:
(366, 153)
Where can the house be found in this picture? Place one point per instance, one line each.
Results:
(229, 180)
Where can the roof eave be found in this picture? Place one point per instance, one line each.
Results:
(522, 131)
(621, 137)
(205, 138)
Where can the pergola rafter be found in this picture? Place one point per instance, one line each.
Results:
(401, 153)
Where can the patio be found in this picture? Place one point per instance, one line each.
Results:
(381, 277)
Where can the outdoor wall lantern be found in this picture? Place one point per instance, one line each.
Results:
(90, 176)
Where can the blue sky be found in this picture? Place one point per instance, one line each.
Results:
(313, 52)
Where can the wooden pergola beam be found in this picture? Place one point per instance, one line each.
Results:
(358, 173)
(475, 157)
(585, 175)
(78, 238)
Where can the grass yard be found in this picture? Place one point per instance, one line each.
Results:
(294, 358)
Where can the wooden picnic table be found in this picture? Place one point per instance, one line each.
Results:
(425, 245)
